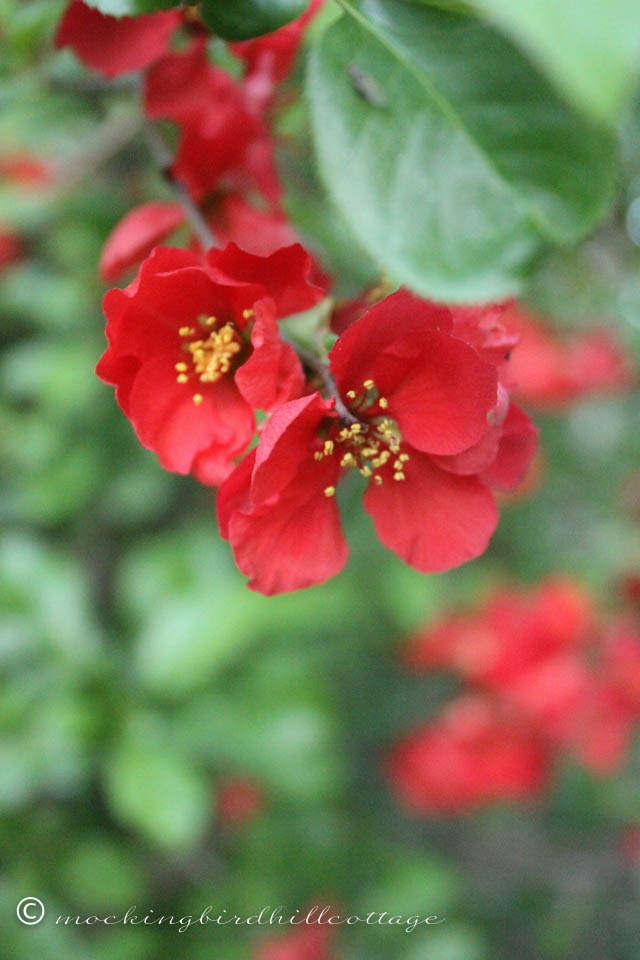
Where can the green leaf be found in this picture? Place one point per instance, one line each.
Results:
(130, 8)
(244, 19)
(591, 49)
(449, 155)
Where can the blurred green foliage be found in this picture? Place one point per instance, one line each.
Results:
(136, 669)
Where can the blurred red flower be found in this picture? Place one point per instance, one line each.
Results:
(269, 59)
(222, 131)
(115, 45)
(549, 370)
(471, 754)
(549, 664)
(306, 942)
(135, 236)
(421, 416)
(194, 348)
(239, 799)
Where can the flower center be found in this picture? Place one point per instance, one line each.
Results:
(371, 443)
(211, 356)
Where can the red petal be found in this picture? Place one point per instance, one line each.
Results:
(517, 447)
(115, 45)
(167, 421)
(293, 541)
(400, 314)
(233, 495)
(283, 275)
(433, 520)
(285, 445)
(136, 235)
(273, 373)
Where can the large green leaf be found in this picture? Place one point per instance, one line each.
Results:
(448, 153)
(590, 47)
(243, 19)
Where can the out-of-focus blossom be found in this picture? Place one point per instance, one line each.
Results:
(550, 369)
(308, 941)
(551, 668)
(269, 59)
(239, 799)
(114, 45)
(474, 752)
(222, 134)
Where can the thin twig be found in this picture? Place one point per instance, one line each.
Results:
(162, 156)
(322, 370)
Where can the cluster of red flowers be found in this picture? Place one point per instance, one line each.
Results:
(414, 396)
(544, 676)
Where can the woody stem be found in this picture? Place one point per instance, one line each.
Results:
(322, 370)
(162, 157)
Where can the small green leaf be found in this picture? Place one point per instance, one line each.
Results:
(130, 8)
(244, 19)
(449, 155)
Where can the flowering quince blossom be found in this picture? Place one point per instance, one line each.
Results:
(548, 669)
(309, 941)
(268, 59)
(419, 413)
(194, 348)
(115, 45)
(222, 130)
(550, 370)
(472, 754)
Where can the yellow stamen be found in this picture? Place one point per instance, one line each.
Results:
(247, 314)
(182, 378)
(181, 367)
(351, 394)
(384, 403)
(329, 491)
(212, 357)
(399, 475)
(377, 480)
(197, 399)
(186, 331)
(368, 384)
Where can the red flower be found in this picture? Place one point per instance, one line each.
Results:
(194, 347)
(472, 754)
(550, 370)
(309, 941)
(238, 799)
(269, 59)
(10, 248)
(221, 132)
(136, 235)
(509, 635)
(115, 45)
(574, 683)
(420, 416)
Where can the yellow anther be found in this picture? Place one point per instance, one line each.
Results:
(398, 475)
(344, 433)
(384, 403)
(212, 357)
(351, 394)
(377, 479)
(318, 455)
(197, 399)
(398, 464)
(186, 331)
(404, 457)
(181, 367)
(328, 447)
(368, 384)
(182, 378)
(366, 471)
(329, 491)
(348, 460)
(356, 427)
(247, 313)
